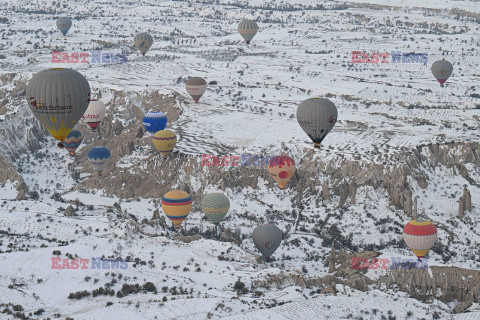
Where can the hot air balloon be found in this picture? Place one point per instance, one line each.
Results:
(248, 29)
(154, 121)
(317, 116)
(420, 236)
(143, 42)
(164, 141)
(58, 98)
(64, 24)
(99, 158)
(196, 87)
(95, 113)
(73, 141)
(176, 205)
(267, 239)
(282, 169)
(215, 206)
(442, 69)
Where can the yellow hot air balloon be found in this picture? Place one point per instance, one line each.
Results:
(164, 141)
(176, 205)
(282, 169)
(248, 29)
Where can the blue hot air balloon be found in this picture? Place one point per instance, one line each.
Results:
(73, 141)
(154, 121)
(99, 158)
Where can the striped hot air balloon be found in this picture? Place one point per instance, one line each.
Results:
(282, 169)
(196, 87)
(73, 141)
(248, 29)
(143, 42)
(420, 236)
(215, 206)
(154, 121)
(267, 239)
(176, 205)
(164, 141)
(442, 70)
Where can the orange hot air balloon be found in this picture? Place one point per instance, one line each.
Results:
(282, 169)
(177, 205)
(420, 236)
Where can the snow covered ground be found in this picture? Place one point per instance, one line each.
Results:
(384, 109)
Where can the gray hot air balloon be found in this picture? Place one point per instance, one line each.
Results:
(267, 238)
(64, 24)
(143, 42)
(317, 116)
(442, 70)
(58, 98)
(196, 87)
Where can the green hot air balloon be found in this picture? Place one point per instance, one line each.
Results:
(64, 24)
(215, 206)
(267, 239)
(58, 98)
(143, 42)
(248, 29)
(442, 70)
(317, 116)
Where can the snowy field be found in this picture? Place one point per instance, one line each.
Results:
(250, 106)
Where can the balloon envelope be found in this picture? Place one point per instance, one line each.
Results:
(176, 205)
(164, 141)
(58, 98)
(73, 141)
(154, 121)
(442, 70)
(317, 116)
(282, 169)
(267, 239)
(248, 29)
(196, 87)
(95, 113)
(143, 42)
(99, 158)
(215, 206)
(420, 236)
(64, 24)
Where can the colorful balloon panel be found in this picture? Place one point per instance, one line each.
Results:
(215, 206)
(73, 141)
(154, 121)
(248, 29)
(58, 98)
(143, 42)
(95, 113)
(267, 239)
(282, 169)
(164, 141)
(176, 205)
(99, 158)
(420, 236)
(196, 87)
(64, 24)
(317, 117)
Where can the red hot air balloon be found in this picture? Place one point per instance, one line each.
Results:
(420, 236)
(282, 169)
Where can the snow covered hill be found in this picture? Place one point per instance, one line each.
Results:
(402, 143)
